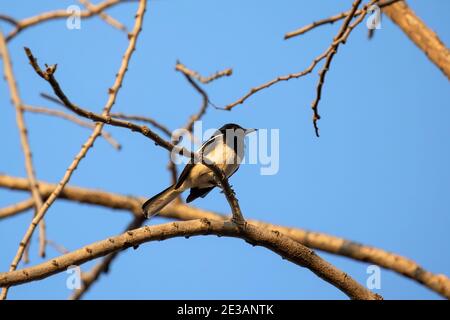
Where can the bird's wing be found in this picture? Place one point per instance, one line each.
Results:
(196, 192)
(206, 146)
(184, 174)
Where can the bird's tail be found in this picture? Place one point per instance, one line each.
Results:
(153, 205)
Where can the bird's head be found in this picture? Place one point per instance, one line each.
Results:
(235, 129)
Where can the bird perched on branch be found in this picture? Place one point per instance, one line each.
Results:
(225, 148)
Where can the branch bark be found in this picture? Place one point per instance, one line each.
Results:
(316, 240)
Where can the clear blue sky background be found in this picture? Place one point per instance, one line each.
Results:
(379, 174)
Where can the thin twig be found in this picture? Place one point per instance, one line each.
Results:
(345, 29)
(17, 102)
(82, 153)
(270, 83)
(120, 115)
(439, 283)
(144, 119)
(189, 74)
(9, 19)
(60, 14)
(422, 35)
(108, 19)
(61, 114)
(205, 80)
(331, 20)
(48, 75)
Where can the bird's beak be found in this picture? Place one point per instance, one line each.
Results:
(247, 131)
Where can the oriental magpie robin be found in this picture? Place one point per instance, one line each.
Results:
(225, 148)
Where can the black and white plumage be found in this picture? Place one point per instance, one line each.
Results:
(225, 148)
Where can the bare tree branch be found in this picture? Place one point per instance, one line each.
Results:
(111, 99)
(316, 240)
(270, 239)
(88, 279)
(61, 14)
(189, 75)
(205, 80)
(419, 33)
(405, 18)
(330, 20)
(340, 38)
(105, 17)
(17, 102)
(16, 208)
(144, 119)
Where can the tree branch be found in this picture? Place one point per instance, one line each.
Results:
(48, 75)
(419, 33)
(316, 240)
(17, 102)
(270, 239)
(60, 14)
(16, 208)
(82, 153)
(105, 17)
(330, 20)
(205, 80)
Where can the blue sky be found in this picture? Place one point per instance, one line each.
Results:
(378, 174)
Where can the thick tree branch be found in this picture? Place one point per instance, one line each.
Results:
(270, 239)
(316, 240)
(419, 33)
